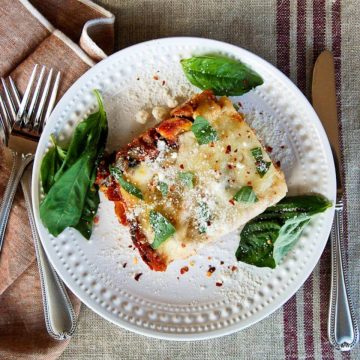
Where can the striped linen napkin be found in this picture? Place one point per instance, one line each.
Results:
(70, 36)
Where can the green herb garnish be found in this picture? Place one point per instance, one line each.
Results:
(72, 197)
(222, 75)
(203, 131)
(162, 228)
(187, 178)
(262, 166)
(246, 194)
(163, 187)
(51, 164)
(126, 185)
(203, 217)
(266, 239)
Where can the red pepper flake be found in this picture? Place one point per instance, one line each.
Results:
(221, 263)
(155, 77)
(249, 183)
(178, 278)
(130, 246)
(230, 166)
(240, 104)
(236, 150)
(163, 83)
(209, 257)
(137, 276)
(208, 223)
(183, 245)
(278, 163)
(184, 270)
(218, 283)
(124, 265)
(269, 149)
(234, 268)
(282, 146)
(210, 271)
(228, 149)
(96, 219)
(138, 79)
(181, 166)
(232, 202)
(212, 144)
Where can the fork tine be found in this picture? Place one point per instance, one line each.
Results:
(35, 95)
(26, 97)
(15, 92)
(52, 98)
(5, 116)
(42, 101)
(9, 100)
(3, 126)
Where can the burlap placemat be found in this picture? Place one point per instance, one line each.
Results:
(29, 34)
(289, 34)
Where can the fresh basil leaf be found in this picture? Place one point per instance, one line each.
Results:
(163, 187)
(203, 131)
(203, 217)
(222, 75)
(86, 134)
(63, 205)
(162, 228)
(187, 178)
(262, 166)
(127, 186)
(266, 239)
(92, 200)
(66, 202)
(50, 164)
(246, 194)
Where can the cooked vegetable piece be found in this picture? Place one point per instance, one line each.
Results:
(187, 178)
(163, 187)
(262, 166)
(127, 186)
(203, 217)
(246, 194)
(162, 228)
(203, 131)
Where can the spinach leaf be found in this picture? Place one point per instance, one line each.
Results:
(91, 205)
(222, 75)
(187, 178)
(127, 186)
(163, 187)
(266, 239)
(246, 194)
(262, 166)
(50, 164)
(203, 217)
(162, 227)
(203, 131)
(72, 200)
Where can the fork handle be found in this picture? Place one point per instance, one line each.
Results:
(20, 162)
(60, 318)
(343, 331)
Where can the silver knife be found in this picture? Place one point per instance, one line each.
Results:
(343, 331)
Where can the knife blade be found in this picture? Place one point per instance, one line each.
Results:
(343, 331)
(324, 103)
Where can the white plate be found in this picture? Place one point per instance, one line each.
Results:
(190, 306)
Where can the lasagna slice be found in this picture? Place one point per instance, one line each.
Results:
(198, 175)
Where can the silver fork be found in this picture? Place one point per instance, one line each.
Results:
(28, 122)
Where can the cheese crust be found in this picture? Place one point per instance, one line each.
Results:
(217, 169)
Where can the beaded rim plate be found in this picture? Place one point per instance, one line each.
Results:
(192, 306)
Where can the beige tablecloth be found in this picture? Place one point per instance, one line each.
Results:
(289, 34)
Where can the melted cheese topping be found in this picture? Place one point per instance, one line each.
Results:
(220, 169)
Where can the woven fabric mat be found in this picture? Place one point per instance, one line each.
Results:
(289, 34)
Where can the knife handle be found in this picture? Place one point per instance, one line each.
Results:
(343, 331)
